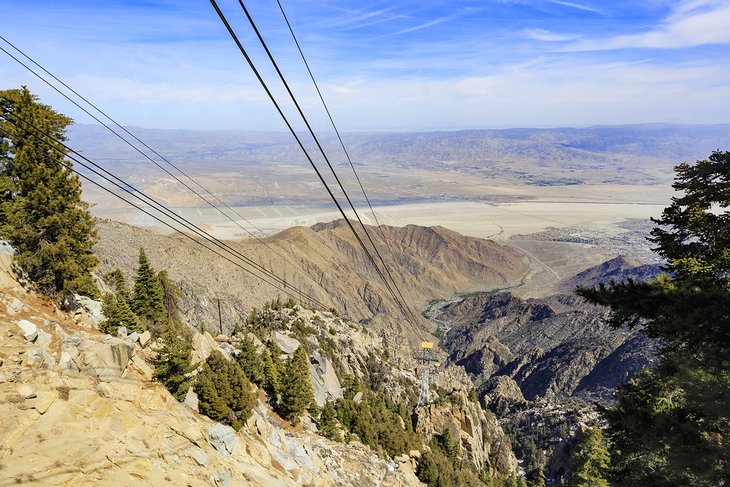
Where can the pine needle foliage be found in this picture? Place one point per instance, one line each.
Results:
(118, 313)
(41, 210)
(224, 392)
(173, 364)
(670, 425)
(147, 298)
(590, 460)
(296, 387)
(250, 361)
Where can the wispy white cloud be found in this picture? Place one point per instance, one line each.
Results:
(548, 36)
(437, 21)
(578, 6)
(692, 23)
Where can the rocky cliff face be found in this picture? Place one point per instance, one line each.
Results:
(552, 348)
(79, 408)
(427, 262)
(482, 440)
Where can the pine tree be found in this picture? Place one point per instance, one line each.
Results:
(271, 376)
(669, 425)
(171, 296)
(249, 360)
(174, 362)
(539, 480)
(590, 460)
(41, 211)
(296, 387)
(327, 422)
(117, 281)
(224, 393)
(147, 298)
(118, 313)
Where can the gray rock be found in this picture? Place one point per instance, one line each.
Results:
(287, 344)
(122, 332)
(324, 380)
(43, 339)
(15, 306)
(191, 400)
(144, 338)
(30, 330)
(40, 358)
(106, 360)
(357, 397)
(92, 307)
(222, 438)
(133, 337)
(6, 248)
(200, 456)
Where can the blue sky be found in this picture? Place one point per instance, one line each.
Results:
(385, 65)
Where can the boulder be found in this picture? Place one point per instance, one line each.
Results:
(191, 400)
(144, 338)
(324, 380)
(203, 345)
(222, 438)
(30, 330)
(40, 358)
(92, 308)
(26, 392)
(106, 360)
(142, 367)
(15, 305)
(43, 339)
(287, 344)
(256, 342)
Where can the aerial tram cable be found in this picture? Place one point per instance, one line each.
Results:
(342, 144)
(243, 51)
(155, 217)
(157, 205)
(163, 209)
(114, 122)
(329, 115)
(401, 303)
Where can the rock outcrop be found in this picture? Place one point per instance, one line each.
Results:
(553, 348)
(93, 417)
(482, 440)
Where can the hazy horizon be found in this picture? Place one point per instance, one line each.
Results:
(400, 66)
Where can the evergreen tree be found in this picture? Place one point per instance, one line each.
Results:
(539, 480)
(249, 360)
(271, 376)
(41, 211)
(327, 422)
(296, 387)
(670, 425)
(147, 298)
(171, 296)
(174, 362)
(224, 393)
(590, 460)
(118, 313)
(117, 281)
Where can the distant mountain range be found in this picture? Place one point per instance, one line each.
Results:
(630, 154)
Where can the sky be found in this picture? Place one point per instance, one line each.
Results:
(396, 65)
